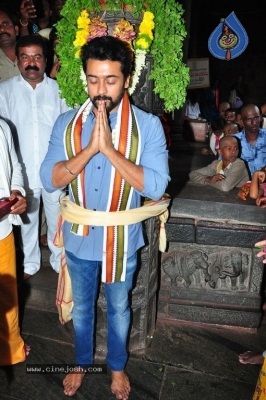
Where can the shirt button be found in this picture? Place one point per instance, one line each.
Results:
(99, 167)
(94, 209)
(92, 227)
(96, 190)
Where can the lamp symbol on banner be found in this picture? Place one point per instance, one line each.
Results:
(229, 39)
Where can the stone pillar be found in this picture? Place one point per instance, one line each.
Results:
(143, 96)
(143, 298)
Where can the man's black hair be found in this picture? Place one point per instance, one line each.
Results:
(108, 48)
(217, 124)
(32, 40)
(11, 15)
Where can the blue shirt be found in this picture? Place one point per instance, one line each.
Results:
(255, 155)
(153, 159)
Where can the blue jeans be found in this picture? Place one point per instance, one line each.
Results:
(84, 276)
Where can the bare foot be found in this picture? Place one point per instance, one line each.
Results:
(251, 357)
(72, 382)
(26, 276)
(120, 385)
(264, 306)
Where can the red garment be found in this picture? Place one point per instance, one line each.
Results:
(217, 139)
(217, 98)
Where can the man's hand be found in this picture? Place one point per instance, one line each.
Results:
(103, 129)
(261, 202)
(21, 204)
(215, 178)
(206, 151)
(55, 69)
(262, 253)
(261, 176)
(27, 11)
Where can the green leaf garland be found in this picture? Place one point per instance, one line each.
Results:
(170, 74)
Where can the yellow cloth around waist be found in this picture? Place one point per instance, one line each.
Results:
(73, 213)
(76, 214)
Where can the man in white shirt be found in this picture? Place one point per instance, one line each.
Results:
(32, 102)
(8, 36)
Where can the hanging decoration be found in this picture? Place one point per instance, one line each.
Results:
(229, 39)
(161, 34)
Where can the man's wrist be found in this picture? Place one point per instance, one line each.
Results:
(16, 192)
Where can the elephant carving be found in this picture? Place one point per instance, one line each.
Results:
(185, 264)
(226, 264)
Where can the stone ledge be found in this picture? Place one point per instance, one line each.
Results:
(234, 236)
(203, 202)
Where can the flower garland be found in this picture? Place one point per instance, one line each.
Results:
(88, 29)
(142, 44)
(83, 22)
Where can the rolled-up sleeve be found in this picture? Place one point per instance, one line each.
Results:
(154, 158)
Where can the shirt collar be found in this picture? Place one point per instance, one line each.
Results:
(23, 81)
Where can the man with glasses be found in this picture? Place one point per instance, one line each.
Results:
(9, 31)
(252, 138)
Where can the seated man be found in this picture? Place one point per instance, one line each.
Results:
(224, 174)
(230, 129)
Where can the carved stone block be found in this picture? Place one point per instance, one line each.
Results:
(181, 230)
(196, 279)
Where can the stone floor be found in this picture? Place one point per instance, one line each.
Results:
(185, 360)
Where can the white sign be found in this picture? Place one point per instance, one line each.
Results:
(199, 73)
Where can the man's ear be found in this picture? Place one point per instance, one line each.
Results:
(127, 81)
(17, 30)
(219, 151)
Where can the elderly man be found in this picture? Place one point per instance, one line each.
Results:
(8, 37)
(32, 102)
(252, 138)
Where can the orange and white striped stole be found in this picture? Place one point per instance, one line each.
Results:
(115, 239)
(127, 142)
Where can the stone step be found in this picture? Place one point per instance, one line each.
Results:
(39, 291)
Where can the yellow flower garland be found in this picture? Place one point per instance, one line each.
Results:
(142, 42)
